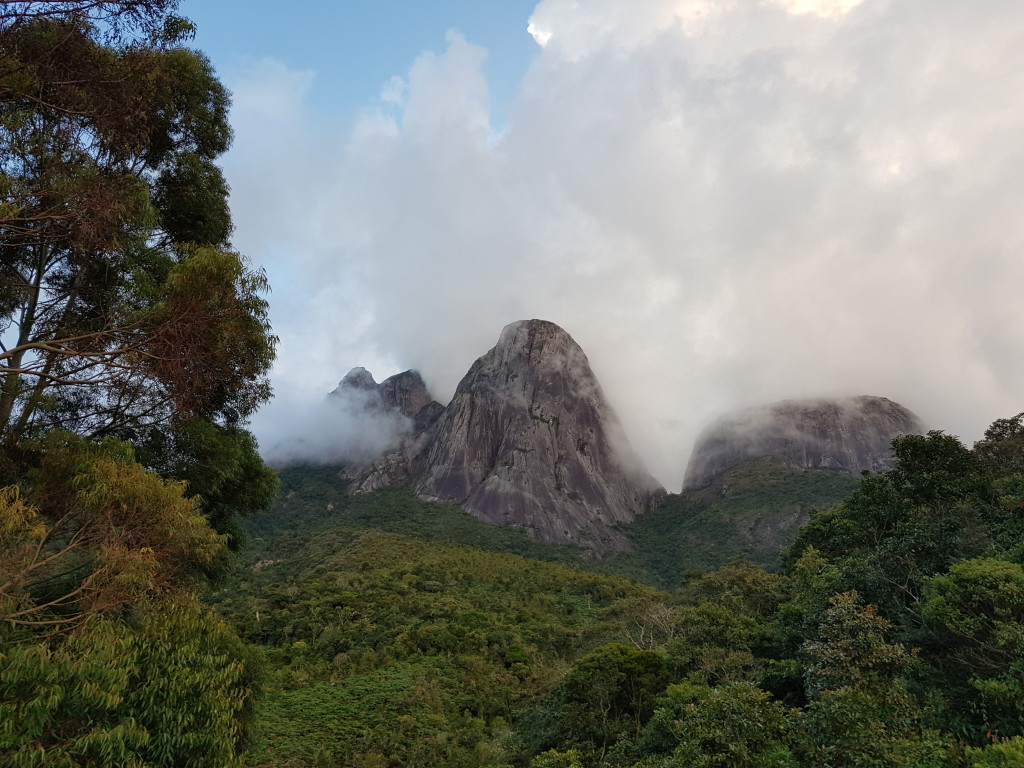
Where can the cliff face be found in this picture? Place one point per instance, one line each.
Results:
(527, 441)
(851, 434)
(406, 393)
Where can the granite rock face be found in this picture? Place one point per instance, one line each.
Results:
(357, 379)
(527, 441)
(404, 393)
(851, 434)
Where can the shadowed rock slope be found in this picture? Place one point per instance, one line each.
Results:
(528, 441)
(849, 434)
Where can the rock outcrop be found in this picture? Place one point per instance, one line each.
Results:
(404, 393)
(851, 434)
(358, 379)
(527, 441)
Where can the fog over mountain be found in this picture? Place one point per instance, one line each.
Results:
(725, 203)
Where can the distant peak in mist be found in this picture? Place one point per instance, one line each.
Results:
(851, 434)
(357, 378)
(354, 423)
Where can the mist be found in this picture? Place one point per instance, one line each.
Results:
(348, 426)
(725, 203)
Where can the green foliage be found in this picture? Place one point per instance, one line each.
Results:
(1001, 754)
(904, 526)
(164, 688)
(411, 649)
(851, 651)
(978, 609)
(478, 653)
(935, 468)
(122, 302)
(1001, 452)
(125, 314)
(610, 693)
(754, 509)
(191, 196)
(91, 531)
(714, 645)
(220, 466)
(314, 506)
(408, 711)
(736, 726)
(554, 758)
(860, 712)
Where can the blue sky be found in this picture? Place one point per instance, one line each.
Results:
(354, 47)
(726, 203)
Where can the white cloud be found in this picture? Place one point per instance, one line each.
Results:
(725, 203)
(824, 8)
(348, 426)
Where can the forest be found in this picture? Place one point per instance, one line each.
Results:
(168, 600)
(402, 632)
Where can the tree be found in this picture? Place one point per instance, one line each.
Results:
(906, 525)
(1001, 451)
(89, 532)
(860, 713)
(168, 686)
(220, 466)
(609, 693)
(132, 338)
(735, 726)
(123, 309)
(121, 305)
(978, 611)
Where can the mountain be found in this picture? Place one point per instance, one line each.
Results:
(404, 393)
(527, 441)
(848, 434)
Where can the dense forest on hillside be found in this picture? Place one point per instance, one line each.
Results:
(400, 632)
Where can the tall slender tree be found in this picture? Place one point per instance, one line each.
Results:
(134, 343)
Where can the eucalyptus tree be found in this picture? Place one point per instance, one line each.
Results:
(121, 303)
(134, 343)
(124, 310)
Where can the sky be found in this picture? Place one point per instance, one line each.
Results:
(725, 202)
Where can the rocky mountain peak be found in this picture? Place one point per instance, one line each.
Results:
(358, 378)
(850, 434)
(406, 392)
(530, 441)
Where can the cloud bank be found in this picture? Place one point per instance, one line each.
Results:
(725, 203)
(347, 426)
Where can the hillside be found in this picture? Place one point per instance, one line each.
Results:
(397, 632)
(383, 637)
(397, 627)
(754, 509)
